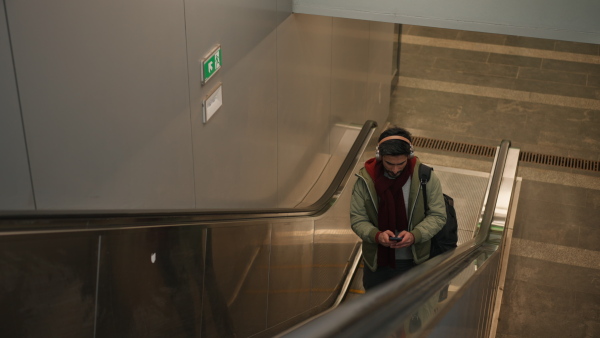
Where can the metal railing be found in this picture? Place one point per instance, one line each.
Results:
(73, 221)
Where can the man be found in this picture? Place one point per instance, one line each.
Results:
(387, 210)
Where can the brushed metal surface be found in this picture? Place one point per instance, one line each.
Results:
(349, 134)
(381, 63)
(290, 276)
(237, 280)
(235, 159)
(104, 98)
(506, 188)
(477, 285)
(15, 182)
(469, 316)
(334, 243)
(228, 278)
(150, 282)
(350, 70)
(304, 96)
(112, 106)
(48, 285)
(180, 280)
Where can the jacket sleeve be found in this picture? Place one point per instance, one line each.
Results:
(435, 218)
(359, 218)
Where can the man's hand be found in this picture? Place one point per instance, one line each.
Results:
(407, 240)
(384, 238)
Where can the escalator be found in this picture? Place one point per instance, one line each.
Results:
(218, 273)
(452, 295)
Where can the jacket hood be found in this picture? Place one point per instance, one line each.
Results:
(370, 167)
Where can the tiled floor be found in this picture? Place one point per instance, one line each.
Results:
(544, 96)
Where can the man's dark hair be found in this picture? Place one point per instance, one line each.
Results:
(394, 147)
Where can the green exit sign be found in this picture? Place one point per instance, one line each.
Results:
(211, 64)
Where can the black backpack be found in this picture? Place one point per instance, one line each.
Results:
(447, 238)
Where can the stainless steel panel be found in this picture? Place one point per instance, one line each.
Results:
(235, 157)
(237, 281)
(15, 182)
(348, 137)
(48, 285)
(291, 269)
(151, 282)
(381, 53)
(334, 242)
(329, 71)
(476, 286)
(506, 189)
(350, 70)
(304, 109)
(470, 315)
(106, 101)
(469, 295)
(104, 96)
(224, 279)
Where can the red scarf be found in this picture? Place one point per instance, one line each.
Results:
(391, 210)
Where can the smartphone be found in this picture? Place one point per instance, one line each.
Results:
(396, 239)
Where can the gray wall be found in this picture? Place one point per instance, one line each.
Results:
(304, 75)
(104, 100)
(570, 20)
(109, 102)
(15, 184)
(234, 153)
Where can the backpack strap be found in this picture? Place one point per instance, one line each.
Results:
(424, 176)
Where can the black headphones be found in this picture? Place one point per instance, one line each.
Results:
(394, 137)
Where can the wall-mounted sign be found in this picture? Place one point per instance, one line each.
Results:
(212, 103)
(211, 64)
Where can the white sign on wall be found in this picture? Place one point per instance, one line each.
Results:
(212, 103)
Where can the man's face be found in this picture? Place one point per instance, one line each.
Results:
(394, 165)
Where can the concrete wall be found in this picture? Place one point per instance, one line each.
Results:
(574, 20)
(102, 101)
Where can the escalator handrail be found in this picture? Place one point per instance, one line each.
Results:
(398, 298)
(18, 222)
(493, 193)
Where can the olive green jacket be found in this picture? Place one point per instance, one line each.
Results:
(363, 215)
